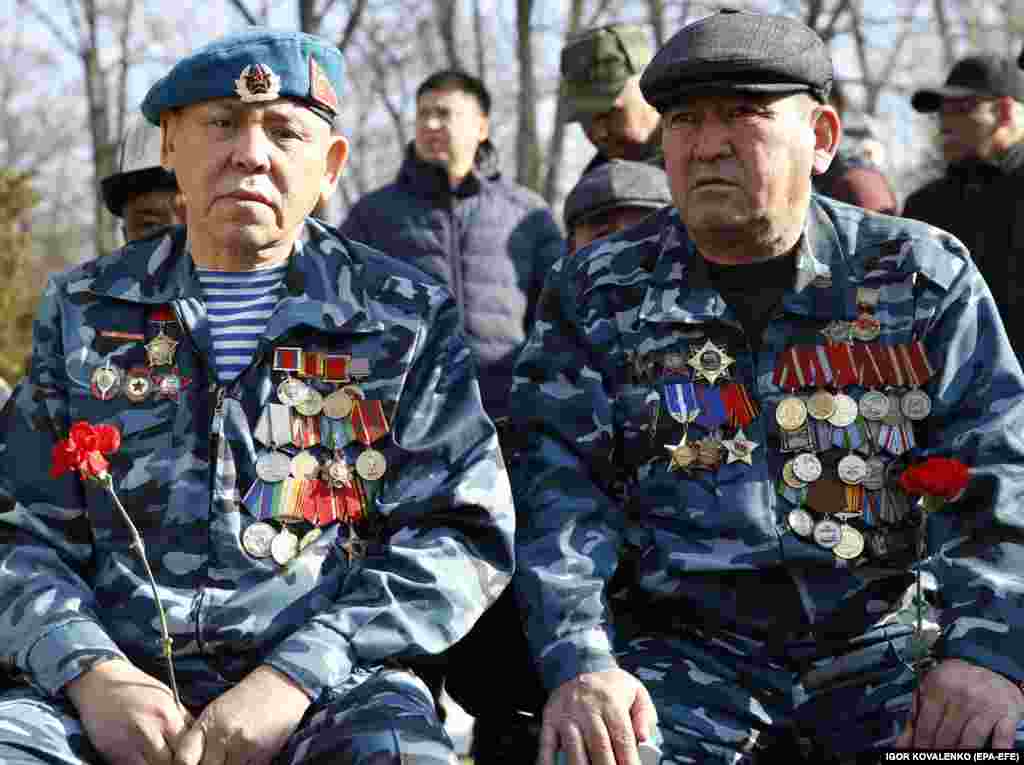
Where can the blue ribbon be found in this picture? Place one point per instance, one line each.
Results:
(712, 408)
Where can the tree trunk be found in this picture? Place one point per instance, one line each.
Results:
(656, 11)
(104, 151)
(556, 144)
(445, 16)
(528, 160)
(481, 43)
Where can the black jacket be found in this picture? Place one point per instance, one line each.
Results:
(982, 204)
(490, 240)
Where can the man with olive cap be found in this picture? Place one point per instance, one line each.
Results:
(303, 448)
(719, 404)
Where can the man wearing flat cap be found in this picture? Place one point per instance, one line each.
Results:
(979, 198)
(733, 411)
(288, 419)
(601, 70)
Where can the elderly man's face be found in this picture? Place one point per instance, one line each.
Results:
(625, 130)
(251, 173)
(146, 213)
(968, 128)
(740, 165)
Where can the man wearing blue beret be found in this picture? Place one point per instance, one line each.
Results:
(290, 421)
(770, 499)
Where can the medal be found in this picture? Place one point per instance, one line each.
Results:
(710, 362)
(284, 547)
(337, 473)
(311, 404)
(800, 521)
(137, 385)
(105, 382)
(850, 544)
(709, 453)
(371, 465)
(789, 476)
(916, 404)
(256, 539)
(874, 477)
(852, 470)
(160, 350)
(273, 467)
(304, 465)
(791, 413)
(681, 402)
(827, 533)
(310, 537)
(338, 405)
(291, 391)
(821, 405)
(799, 440)
(807, 467)
(169, 386)
(839, 331)
(845, 413)
(867, 328)
(874, 405)
(354, 392)
(739, 448)
(683, 455)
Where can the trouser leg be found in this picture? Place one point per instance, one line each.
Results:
(35, 730)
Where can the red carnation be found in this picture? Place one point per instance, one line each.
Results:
(940, 477)
(83, 450)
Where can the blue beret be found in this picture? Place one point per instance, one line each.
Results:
(258, 65)
(738, 51)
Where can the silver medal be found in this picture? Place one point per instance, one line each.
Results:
(257, 538)
(284, 547)
(273, 467)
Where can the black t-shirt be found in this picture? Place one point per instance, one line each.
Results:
(754, 290)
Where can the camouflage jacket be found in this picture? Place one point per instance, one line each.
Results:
(438, 524)
(596, 495)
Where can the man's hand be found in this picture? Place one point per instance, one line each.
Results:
(960, 705)
(250, 723)
(597, 718)
(129, 716)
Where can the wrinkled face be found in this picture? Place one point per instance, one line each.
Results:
(625, 130)
(967, 128)
(740, 164)
(147, 212)
(606, 223)
(251, 173)
(450, 126)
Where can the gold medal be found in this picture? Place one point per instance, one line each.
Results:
(371, 465)
(160, 350)
(683, 455)
(850, 545)
(791, 413)
(710, 362)
(256, 539)
(338, 405)
(821, 405)
(311, 404)
(304, 465)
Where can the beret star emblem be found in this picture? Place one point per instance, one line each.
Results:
(257, 82)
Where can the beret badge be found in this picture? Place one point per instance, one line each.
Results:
(258, 82)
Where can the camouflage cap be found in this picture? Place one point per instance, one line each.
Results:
(257, 65)
(616, 183)
(597, 63)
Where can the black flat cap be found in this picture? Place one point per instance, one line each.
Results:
(616, 183)
(984, 76)
(738, 51)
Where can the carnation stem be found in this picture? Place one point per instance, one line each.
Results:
(139, 547)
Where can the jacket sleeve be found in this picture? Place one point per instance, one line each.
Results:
(568, 526)
(353, 226)
(550, 247)
(448, 516)
(48, 617)
(976, 545)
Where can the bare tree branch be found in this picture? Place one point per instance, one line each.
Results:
(246, 13)
(445, 15)
(352, 24)
(46, 20)
(478, 33)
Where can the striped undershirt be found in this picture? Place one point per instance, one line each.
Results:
(238, 305)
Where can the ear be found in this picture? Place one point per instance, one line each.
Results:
(485, 128)
(828, 131)
(1004, 111)
(168, 131)
(337, 154)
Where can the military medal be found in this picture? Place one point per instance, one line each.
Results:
(850, 544)
(682, 455)
(137, 385)
(839, 331)
(866, 327)
(284, 547)
(916, 404)
(821, 405)
(105, 382)
(739, 448)
(160, 350)
(827, 533)
(310, 537)
(789, 476)
(800, 521)
(170, 385)
(291, 391)
(852, 470)
(337, 473)
(274, 466)
(371, 465)
(807, 467)
(845, 413)
(311, 404)
(874, 405)
(874, 477)
(338, 405)
(256, 539)
(791, 413)
(710, 362)
(305, 465)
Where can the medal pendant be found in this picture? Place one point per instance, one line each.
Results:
(867, 328)
(256, 539)
(137, 385)
(337, 473)
(371, 465)
(160, 350)
(916, 404)
(791, 413)
(807, 467)
(105, 382)
(338, 405)
(683, 455)
(852, 470)
(874, 405)
(845, 413)
(739, 448)
(273, 467)
(311, 404)
(284, 547)
(850, 545)
(709, 454)
(789, 477)
(821, 405)
(827, 534)
(710, 362)
(304, 465)
(310, 537)
(801, 522)
(291, 391)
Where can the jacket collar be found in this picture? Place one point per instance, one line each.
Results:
(432, 180)
(681, 291)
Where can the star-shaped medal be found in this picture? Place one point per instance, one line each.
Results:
(740, 448)
(683, 455)
(710, 362)
(160, 351)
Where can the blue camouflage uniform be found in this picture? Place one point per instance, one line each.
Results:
(343, 623)
(745, 632)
